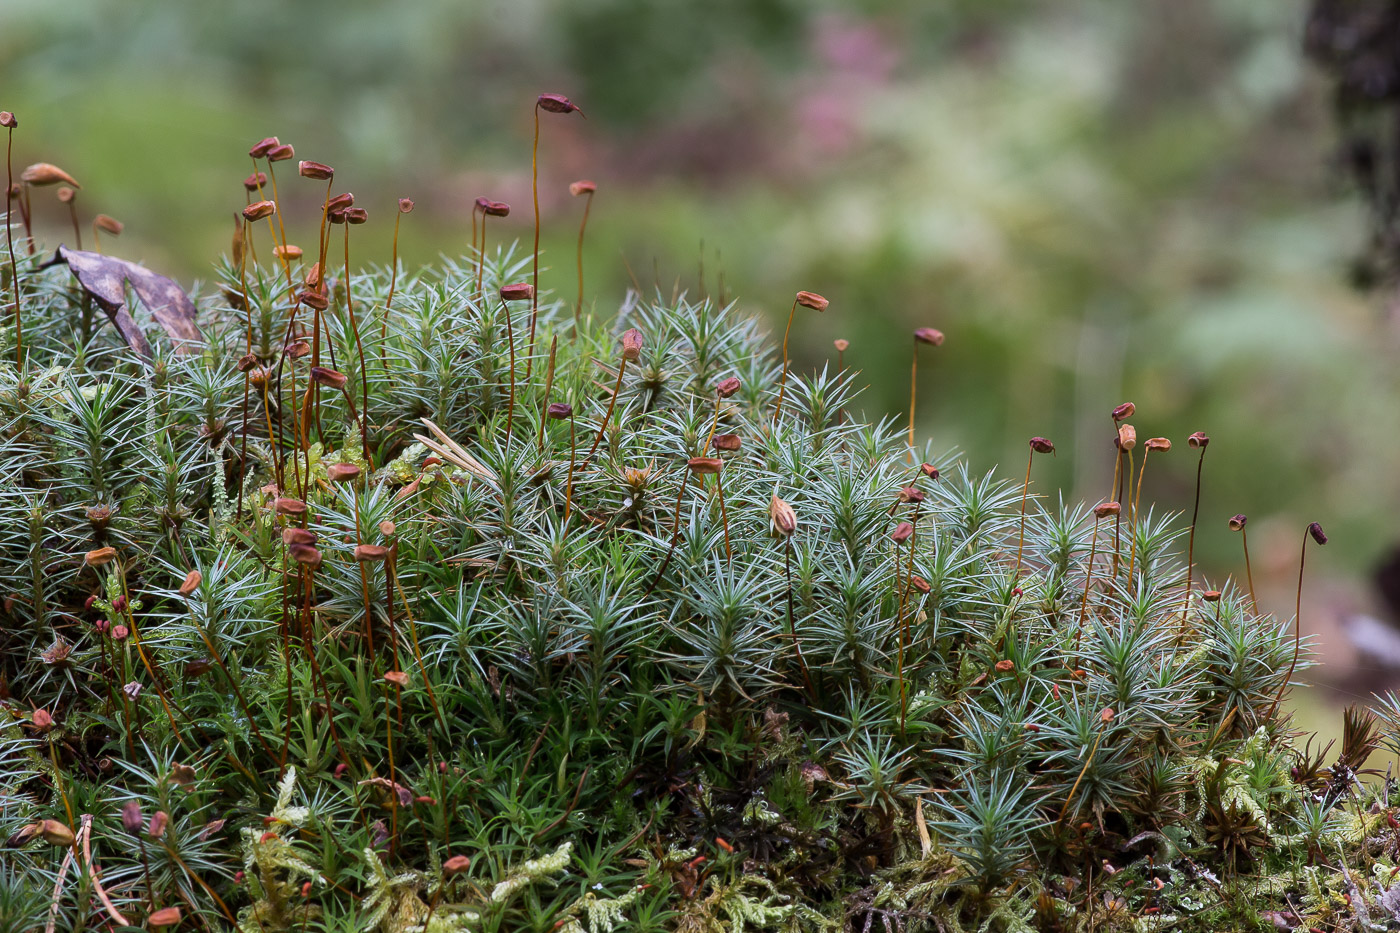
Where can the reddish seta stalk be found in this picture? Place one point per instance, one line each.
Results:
(554, 103)
(8, 120)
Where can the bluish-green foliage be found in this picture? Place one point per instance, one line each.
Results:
(624, 688)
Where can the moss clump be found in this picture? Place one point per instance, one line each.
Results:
(343, 670)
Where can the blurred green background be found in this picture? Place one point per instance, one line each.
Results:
(1095, 201)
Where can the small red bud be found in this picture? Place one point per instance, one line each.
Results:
(259, 209)
(108, 224)
(46, 173)
(930, 336)
(288, 506)
(191, 583)
(300, 536)
(370, 553)
(556, 103)
(812, 300)
(520, 291)
(1124, 412)
(782, 518)
(330, 378)
(342, 472)
(705, 466)
(165, 917)
(902, 532)
(198, 667)
(317, 170)
(132, 820)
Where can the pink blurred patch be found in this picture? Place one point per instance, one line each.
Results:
(853, 59)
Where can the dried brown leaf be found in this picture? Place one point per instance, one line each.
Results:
(105, 278)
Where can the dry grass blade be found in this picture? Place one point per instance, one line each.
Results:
(453, 452)
(85, 841)
(440, 450)
(85, 835)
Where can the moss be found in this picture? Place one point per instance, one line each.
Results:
(632, 688)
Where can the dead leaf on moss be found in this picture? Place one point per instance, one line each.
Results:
(105, 278)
